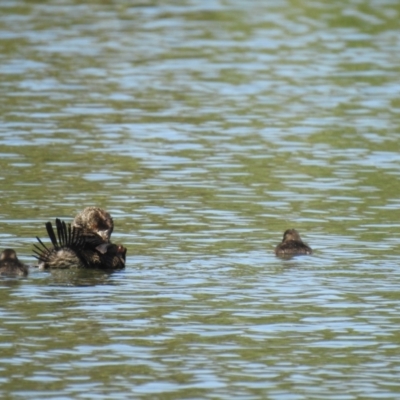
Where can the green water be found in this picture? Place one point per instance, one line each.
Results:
(206, 128)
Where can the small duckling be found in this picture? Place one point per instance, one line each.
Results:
(94, 220)
(292, 245)
(10, 265)
(73, 249)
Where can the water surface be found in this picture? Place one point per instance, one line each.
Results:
(206, 128)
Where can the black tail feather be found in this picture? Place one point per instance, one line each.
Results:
(60, 232)
(65, 231)
(73, 247)
(40, 252)
(41, 244)
(52, 235)
(67, 237)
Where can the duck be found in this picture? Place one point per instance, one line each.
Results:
(73, 249)
(94, 221)
(292, 245)
(10, 265)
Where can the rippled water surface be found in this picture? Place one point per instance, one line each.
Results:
(206, 128)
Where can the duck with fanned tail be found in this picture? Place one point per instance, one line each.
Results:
(86, 244)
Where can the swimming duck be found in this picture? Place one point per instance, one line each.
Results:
(73, 249)
(94, 220)
(10, 265)
(292, 245)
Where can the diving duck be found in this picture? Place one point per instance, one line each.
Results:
(94, 220)
(73, 249)
(10, 265)
(292, 245)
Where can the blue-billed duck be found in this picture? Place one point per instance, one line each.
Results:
(10, 265)
(292, 245)
(94, 220)
(73, 249)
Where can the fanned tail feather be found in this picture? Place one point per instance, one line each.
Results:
(72, 247)
(69, 234)
(61, 232)
(40, 252)
(67, 237)
(52, 236)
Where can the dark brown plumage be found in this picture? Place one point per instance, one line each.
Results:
(72, 249)
(10, 265)
(292, 245)
(94, 220)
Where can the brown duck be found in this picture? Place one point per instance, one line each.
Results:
(292, 245)
(73, 249)
(10, 265)
(94, 220)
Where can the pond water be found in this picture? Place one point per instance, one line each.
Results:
(206, 128)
